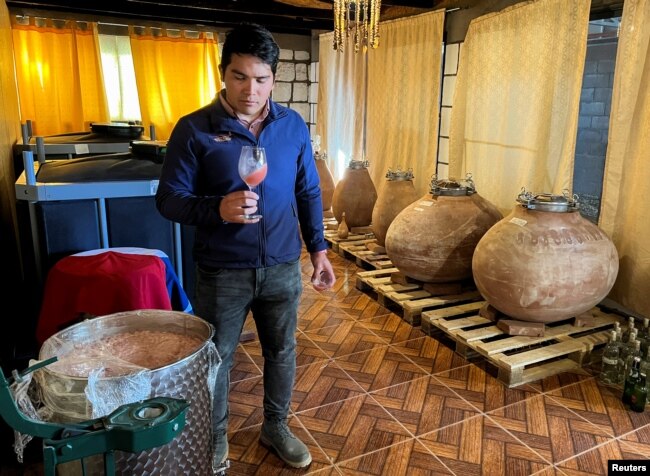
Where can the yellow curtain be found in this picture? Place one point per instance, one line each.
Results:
(515, 109)
(58, 71)
(175, 75)
(403, 98)
(625, 213)
(341, 99)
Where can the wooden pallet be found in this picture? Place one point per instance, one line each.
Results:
(330, 224)
(520, 359)
(364, 258)
(332, 238)
(411, 299)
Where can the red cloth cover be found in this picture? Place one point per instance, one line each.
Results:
(98, 285)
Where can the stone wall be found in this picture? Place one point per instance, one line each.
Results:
(292, 82)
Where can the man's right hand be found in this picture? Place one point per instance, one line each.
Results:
(235, 205)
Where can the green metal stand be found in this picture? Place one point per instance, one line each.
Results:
(132, 428)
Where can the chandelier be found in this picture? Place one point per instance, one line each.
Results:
(358, 19)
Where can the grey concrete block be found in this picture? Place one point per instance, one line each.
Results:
(591, 67)
(596, 81)
(606, 66)
(286, 54)
(592, 108)
(600, 122)
(602, 94)
(584, 122)
(285, 72)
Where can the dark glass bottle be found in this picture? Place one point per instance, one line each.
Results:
(639, 395)
(633, 379)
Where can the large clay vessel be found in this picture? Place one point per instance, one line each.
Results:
(355, 194)
(326, 180)
(433, 239)
(544, 262)
(398, 192)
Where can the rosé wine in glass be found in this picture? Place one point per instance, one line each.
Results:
(255, 178)
(252, 169)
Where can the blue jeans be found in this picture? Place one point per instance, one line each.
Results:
(223, 298)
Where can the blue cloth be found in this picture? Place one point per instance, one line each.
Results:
(177, 295)
(201, 167)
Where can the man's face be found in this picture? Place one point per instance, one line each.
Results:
(249, 83)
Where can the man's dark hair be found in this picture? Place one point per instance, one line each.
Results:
(250, 39)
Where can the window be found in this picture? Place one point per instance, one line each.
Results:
(119, 77)
(593, 121)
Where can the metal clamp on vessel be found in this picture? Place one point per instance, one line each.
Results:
(548, 202)
(452, 187)
(399, 174)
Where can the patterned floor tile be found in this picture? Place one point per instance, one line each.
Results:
(346, 338)
(564, 379)
(372, 309)
(245, 403)
(549, 471)
(352, 427)
(638, 441)
(392, 328)
(475, 384)
(478, 446)
(322, 383)
(430, 354)
(327, 471)
(424, 404)
(248, 456)
(550, 428)
(355, 304)
(321, 314)
(243, 366)
(595, 461)
(379, 368)
(407, 458)
(601, 405)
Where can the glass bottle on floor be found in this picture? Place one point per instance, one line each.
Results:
(634, 352)
(627, 348)
(630, 327)
(639, 396)
(644, 335)
(632, 380)
(609, 373)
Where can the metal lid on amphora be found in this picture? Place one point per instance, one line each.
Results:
(358, 164)
(452, 187)
(399, 174)
(548, 202)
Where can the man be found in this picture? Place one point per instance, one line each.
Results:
(249, 264)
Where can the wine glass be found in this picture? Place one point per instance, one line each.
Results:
(252, 169)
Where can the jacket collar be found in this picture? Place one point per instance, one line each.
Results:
(220, 119)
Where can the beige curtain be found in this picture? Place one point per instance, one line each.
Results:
(403, 98)
(515, 109)
(175, 75)
(625, 212)
(341, 101)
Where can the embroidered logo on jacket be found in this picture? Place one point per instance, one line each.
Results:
(223, 137)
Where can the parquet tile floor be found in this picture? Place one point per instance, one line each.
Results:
(376, 396)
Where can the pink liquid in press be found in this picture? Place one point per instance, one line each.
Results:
(255, 178)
